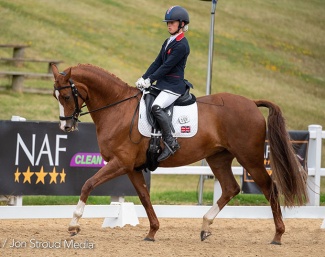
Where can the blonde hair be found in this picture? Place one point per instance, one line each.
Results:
(185, 28)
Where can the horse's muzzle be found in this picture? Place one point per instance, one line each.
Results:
(68, 126)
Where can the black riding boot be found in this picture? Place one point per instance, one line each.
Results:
(171, 144)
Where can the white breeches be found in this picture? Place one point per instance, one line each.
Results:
(165, 98)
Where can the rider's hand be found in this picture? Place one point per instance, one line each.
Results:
(140, 83)
(146, 83)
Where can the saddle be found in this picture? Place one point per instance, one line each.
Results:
(150, 95)
(154, 148)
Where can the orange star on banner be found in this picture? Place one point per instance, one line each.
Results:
(41, 175)
(62, 175)
(17, 175)
(27, 175)
(53, 175)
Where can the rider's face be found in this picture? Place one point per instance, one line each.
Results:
(172, 26)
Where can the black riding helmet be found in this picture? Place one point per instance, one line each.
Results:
(177, 13)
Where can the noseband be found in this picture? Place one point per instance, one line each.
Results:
(75, 95)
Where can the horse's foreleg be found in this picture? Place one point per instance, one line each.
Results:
(108, 172)
(221, 167)
(140, 186)
(74, 227)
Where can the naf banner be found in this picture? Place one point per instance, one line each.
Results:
(299, 140)
(37, 158)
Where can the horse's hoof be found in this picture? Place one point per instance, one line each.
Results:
(149, 239)
(204, 235)
(74, 231)
(275, 243)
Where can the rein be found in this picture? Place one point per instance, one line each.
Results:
(116, 103)
(110, 105)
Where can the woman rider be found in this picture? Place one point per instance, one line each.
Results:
(168, 72)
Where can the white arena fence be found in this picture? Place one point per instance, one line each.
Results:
(119, 213)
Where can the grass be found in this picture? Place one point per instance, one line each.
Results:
(263, 50)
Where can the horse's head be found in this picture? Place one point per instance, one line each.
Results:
(70, 100)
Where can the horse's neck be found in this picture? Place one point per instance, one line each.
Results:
(103, 88)
(104, 91)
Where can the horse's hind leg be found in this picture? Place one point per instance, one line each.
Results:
(263, 180)
(220, 165)
(253, 162)
(140, 186)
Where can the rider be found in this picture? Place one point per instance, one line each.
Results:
(168, 72)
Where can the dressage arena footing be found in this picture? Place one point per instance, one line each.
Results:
(120, 214)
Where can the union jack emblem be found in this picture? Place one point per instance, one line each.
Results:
(185, 129)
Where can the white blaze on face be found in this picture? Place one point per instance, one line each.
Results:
(61, 109)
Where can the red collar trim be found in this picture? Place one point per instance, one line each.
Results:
(180, 37)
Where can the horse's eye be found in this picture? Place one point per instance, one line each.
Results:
(66, 98)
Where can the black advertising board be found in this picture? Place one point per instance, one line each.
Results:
(37, 158)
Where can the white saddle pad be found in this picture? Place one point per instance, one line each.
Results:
(185, 120)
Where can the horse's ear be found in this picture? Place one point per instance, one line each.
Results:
(55, 70)
(68, 75)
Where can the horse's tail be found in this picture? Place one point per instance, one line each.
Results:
(288, 174)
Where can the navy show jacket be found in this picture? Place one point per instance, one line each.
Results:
(168, 68)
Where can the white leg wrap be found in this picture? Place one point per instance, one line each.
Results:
(209, 216)
(77, 214)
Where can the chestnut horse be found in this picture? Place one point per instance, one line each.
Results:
(230, 126)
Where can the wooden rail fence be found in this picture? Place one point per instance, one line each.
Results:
(18, 60)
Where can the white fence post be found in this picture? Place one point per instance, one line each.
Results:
(118, 199)
(314, 164)
(18, 199)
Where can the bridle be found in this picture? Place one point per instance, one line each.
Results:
(75, 95)
(77, 111)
